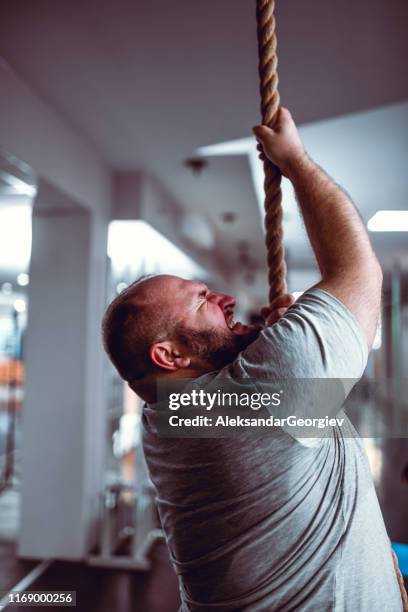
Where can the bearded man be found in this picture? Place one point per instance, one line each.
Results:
(274, 522)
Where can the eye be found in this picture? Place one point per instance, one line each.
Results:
(202, 296)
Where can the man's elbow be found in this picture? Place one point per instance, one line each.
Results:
(376, 274)
(368, 268)
(365, 273)
(373, 293)
(366, 279)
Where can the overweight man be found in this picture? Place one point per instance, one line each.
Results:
(272, 522)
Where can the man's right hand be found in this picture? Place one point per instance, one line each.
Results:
(282, 145)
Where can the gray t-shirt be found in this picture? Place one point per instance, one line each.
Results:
(277, 522)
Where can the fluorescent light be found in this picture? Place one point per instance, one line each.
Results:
(15, 237)
(23, 279)
(389, 221)
(241, 146)
(19, 305)
(17, 185)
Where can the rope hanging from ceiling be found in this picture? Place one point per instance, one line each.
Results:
(268, 75)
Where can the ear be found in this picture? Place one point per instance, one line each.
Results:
(166, 355)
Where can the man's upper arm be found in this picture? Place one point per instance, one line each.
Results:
(361, 295)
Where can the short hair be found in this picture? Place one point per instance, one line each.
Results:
(129, 328)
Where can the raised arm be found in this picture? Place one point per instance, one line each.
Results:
(349, 268)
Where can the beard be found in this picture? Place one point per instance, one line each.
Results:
(214, 348)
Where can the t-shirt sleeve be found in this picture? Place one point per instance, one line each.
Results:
(318, 337)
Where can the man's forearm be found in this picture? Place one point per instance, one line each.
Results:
(336, 232)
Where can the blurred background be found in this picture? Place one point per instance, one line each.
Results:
(126, 149)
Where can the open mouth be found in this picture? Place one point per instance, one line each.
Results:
(232, 324)
(236, 327)
(230, 321)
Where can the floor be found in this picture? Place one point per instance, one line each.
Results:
(97, 589)
(102, 590)
(12, 569)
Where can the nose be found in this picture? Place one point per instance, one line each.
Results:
(223, 300)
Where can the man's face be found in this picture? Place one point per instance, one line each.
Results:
(205, 319)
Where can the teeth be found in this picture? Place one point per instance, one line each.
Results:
(231, 323)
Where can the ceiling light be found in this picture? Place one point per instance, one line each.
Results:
(121, 287)
(15, 237)
(240, 146)
(23, 279)
(18, 185)
(7, 288)
(389, 221)
(19, 305)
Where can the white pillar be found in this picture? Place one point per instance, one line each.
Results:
(64, 410)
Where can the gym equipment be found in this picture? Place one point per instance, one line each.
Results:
(115, 532)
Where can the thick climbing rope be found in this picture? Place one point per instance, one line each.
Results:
(268, 75)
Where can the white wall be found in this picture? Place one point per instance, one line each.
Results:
(64, 413)
(34, 132)
(54, 452)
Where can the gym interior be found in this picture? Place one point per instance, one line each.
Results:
(126, 149)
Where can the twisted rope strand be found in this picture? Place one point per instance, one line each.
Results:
(268, 63)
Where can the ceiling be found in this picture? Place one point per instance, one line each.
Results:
(148, 83)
